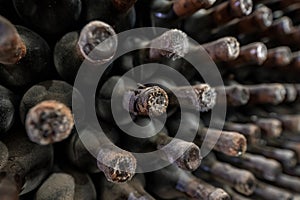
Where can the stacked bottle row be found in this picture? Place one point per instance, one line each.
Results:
(255, 154)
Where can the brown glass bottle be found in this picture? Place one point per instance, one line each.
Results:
(94, 153)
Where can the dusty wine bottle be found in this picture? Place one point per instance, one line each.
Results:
(45, 110)
(96, 43)
(230, 143)
(266, 93)
(117, 165)
(60, 186)
(235, 95)
(287, 158)
(172, 178)
(171, 44)
(260, 166)
(186, 155)
(24, 56)
(292, 11)
(284, 114)
(26, 166)
(50, 17)
(130, 97)
(108, 190)
(241, 180)
(250, 54)
(259, 20)
(217, 16)
(251, 131)
(278, 57)
(168, 13)
(279, 28)
(270, 127)
(200, 97)
(293, 39)
(290, 123)
(224, 49)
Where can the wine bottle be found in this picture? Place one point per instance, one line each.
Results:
(217, 16)
(96, 43)
(129, 98)
(270, 127)
(96, 153)
(278, 57)
(168, 182)
(45, 110)
(224, 49)
(260, 166)
(24, 57)
(241, 180)
(186, 155)
(292, 11)
(266, 93)
(230, 143)
(233, 95)
(251, 131)
(250, 54)
(258, 21)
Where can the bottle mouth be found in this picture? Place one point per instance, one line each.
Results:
(241, 7)
(246, 6)
(151, 101)
(118, 166)
(171, 44)
(241, 96)
(264, 17)
(261, 53)
(191, 158)
(49, 122)
(97, 42)
(283, 55)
